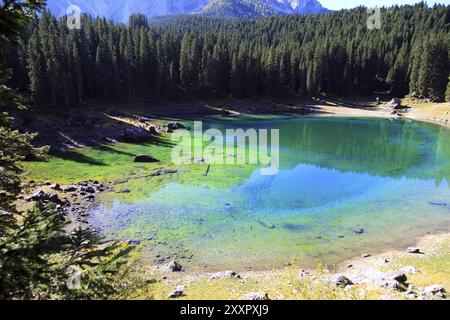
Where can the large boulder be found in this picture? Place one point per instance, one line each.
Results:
(395, 276)
(395, 104)
(143, 158)
(136, 135)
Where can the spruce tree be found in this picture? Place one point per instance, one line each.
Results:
(36, 251)
(447, 92)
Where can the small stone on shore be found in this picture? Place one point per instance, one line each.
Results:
(177, 293)
(224, 275)
(257, 296)
(434, 290)
(391, 285)
(174, 267)
(70, 189)
(340, 280)
(413, 250)
(409, 270)
(56, 187)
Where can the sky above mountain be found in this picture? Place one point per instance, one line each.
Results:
(342, 4)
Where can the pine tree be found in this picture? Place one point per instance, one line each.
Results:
(36, 70)
(185, 61)
(397, 77)
(414, 69)
(433, 74)
(447, 92)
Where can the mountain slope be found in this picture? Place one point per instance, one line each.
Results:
(238, 8)
(120, 10)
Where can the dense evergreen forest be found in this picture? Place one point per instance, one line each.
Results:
(194, 56)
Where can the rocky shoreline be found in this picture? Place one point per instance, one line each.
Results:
(75, 202)
(379, 276)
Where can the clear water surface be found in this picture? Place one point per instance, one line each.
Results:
(346, 186)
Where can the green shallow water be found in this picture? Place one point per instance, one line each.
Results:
(338, 175)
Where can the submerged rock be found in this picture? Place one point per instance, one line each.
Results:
(438, 204)
(296, 227)
(266, 224)
(134, 242)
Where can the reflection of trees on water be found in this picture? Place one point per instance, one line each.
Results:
(377, 147)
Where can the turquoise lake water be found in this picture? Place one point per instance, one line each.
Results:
(346, 186)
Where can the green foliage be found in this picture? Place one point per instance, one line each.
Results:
(433, 72)
(447, 92)
(14, 146)
(97, 264)
(26, 270)
(198, 56)
(38, 260)
(36, 253)
(14, 15)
